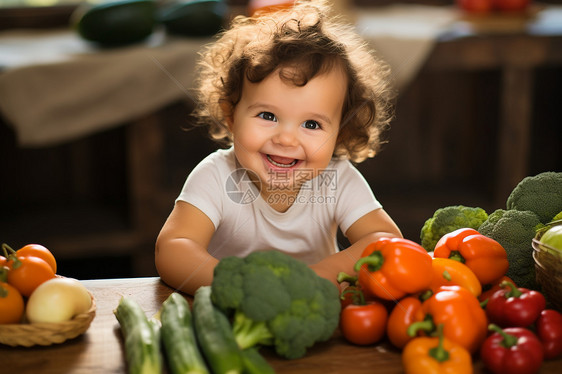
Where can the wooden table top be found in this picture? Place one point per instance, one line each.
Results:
(100, 349)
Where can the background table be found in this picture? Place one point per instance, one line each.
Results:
(100, 349)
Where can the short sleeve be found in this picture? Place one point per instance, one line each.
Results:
(355, 197)
(204, 188)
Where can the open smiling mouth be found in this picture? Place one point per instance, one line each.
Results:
(282, 162)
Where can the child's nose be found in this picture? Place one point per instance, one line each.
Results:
(286, 135)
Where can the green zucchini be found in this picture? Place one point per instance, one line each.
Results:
(214, 334)
(178, 336)
(194, 18)
(116, 22)
(254, 363)
(142, 338)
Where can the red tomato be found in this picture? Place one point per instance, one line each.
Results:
(37, 250)
(475, 6)
(510, 5)
(363, 324)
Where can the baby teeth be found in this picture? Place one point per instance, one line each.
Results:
(293, 163)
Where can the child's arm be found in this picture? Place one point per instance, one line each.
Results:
(365, 230)
(181, 255)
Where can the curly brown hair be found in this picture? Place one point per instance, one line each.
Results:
(300, 43)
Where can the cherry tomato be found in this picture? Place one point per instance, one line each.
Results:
(37, 250)
(363, 324)
(26, 273)
(11, 304)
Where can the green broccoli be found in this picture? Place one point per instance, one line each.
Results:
(448, 219)
(515, 230)
(541, 194)
(276, 300)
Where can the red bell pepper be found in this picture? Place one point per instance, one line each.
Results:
(549, 331)
(495, 286)
(514, 350)
(483, 255)
(514, 307)
(391, 268)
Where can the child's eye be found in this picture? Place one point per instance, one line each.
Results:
(268, 116)
(311, 125)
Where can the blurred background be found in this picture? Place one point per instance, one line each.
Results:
(479, 110)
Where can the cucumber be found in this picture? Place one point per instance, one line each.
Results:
(142, 338)
(116, 22)
(214, 334)
(194, 18)
(254, 363)
(178, 337)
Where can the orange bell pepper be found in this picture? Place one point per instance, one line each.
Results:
(401, 316)
(391, 268)
(425, 355)
(448, 272)
(464, 321)
(485, 256)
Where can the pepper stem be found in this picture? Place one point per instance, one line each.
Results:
(439, 353)
(513, 292)
(373, 261)
(426, 325)
(456, 255)
(344, 277)
(508, 340)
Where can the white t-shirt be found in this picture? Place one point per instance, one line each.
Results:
(245, 223)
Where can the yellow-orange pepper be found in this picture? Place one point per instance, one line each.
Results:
(447, 272)
(425, 355)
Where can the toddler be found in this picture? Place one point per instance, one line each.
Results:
(296, 97)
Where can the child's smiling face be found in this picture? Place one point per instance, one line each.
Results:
(285, 133)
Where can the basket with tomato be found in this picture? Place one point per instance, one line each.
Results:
(38, 306)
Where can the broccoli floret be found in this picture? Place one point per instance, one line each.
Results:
(276, 300)
(449, 219)
(541, 194)
(515, 230)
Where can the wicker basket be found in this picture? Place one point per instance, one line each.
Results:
(30, 334)
(548, 270)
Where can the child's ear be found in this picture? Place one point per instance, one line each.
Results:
(227, 112)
